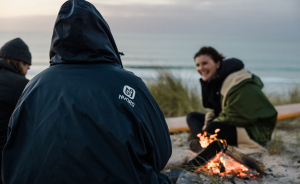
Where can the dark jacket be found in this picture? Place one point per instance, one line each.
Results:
(211, 95)
(11, 86)
(85, 119)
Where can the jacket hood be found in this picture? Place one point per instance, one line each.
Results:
(232, 80)
(81, 35)
(229, 66)
(257, 81)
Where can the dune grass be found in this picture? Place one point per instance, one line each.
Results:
(276, 144)
(174, 97)
(293, 96)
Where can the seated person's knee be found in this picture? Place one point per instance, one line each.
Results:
(190, 116)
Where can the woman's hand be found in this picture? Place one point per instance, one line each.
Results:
(209, 116)
(204, 126)
(206, 121)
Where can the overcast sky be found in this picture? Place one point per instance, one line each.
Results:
(275, 17)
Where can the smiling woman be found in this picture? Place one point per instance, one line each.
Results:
(235, 97)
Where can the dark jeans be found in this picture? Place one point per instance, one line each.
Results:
(196, 120)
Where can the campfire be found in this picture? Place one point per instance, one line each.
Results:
(218, 158)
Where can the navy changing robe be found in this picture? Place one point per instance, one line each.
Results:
(85, 119)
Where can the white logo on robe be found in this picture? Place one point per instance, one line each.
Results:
(129, 92)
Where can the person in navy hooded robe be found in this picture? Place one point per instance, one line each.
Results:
(85, 119)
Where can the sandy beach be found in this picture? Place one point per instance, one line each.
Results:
(282, 162)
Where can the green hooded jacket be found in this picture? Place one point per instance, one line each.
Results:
(245, 105)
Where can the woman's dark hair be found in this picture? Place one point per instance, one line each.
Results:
(210, 51)
(16, 64)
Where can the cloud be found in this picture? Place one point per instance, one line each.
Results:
(28, 23)
(186, 17)
(20, 8)
(194, 16)
(135, 2)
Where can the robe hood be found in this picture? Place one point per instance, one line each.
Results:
(81, 35)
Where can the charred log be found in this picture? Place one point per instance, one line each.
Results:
(208, 153)
(246, 160)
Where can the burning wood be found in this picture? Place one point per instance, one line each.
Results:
(223, 165)
(221, 159)
(206, 139)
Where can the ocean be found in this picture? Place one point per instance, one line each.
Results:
(276, 59)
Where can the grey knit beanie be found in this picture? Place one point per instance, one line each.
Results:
(16, 49)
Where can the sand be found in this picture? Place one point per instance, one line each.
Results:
(283, 167)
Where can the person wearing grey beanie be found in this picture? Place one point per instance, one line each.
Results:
(15, 60)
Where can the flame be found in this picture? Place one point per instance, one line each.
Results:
(206, 139)
(222, 164)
